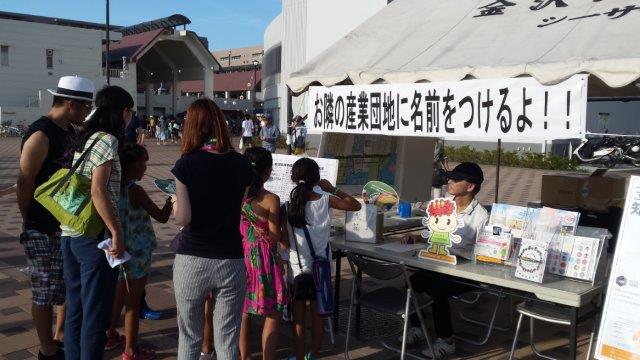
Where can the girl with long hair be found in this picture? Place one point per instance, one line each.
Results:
(211, 182)
(308, 208)
(89, 279)
(261, 234)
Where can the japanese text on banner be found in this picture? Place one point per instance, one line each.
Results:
(491, 109)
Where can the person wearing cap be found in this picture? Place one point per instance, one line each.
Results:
(464, 183)
(47, 146)
(269, 134)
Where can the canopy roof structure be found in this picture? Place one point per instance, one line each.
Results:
(412, 41)
(163, 23)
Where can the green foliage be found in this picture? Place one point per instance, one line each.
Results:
(510, 158)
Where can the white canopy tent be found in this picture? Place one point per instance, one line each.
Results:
(413, 41)
(432, 40)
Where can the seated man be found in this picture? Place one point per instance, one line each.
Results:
(463, 183)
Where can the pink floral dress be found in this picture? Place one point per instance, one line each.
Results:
(266, 291)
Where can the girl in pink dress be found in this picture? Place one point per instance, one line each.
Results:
(261, 234)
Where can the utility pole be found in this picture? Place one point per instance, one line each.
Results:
(106, 62)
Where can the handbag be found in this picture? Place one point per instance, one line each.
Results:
(321, 273)
(67, 196)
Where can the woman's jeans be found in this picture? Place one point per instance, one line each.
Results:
(91, 285)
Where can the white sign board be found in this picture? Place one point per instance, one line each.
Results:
(619, 336)
(280, 181)
(519, 108)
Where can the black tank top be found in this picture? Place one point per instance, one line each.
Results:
(60, 155)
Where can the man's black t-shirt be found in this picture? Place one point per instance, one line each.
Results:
(216, 184)
(60, 155)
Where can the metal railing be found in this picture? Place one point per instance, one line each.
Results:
(115, 73)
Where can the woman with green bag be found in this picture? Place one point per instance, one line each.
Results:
(89, 279)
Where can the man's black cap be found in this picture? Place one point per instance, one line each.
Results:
(468, 171)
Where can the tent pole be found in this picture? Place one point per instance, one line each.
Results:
(498, 169)
(289, 116)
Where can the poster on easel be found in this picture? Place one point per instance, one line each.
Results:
(619, 336)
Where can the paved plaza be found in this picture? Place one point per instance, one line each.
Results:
(18, 338)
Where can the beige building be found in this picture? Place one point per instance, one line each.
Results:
(239, 56)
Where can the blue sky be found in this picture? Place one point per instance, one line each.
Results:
(226, 23)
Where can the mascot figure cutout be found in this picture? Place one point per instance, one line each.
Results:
(442, 222)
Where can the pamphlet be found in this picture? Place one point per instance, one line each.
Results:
(517, 218)
(491, 247)
(556, 221)
(532, 259)
(575, 257)
(113, 262)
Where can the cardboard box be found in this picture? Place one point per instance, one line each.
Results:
(596, 192)
(562, 191)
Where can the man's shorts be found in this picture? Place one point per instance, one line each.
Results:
(44, 257)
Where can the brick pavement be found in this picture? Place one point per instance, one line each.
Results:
(18, 338)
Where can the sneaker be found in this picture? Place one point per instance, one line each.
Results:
(140, 354)
(149, 314)
(205, 356)
(59, 355)
(441, 348)
(309, 357)
(114, 341)
(414, 334)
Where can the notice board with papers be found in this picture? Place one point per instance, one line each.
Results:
(619, 336)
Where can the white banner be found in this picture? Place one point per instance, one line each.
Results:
(487, 110)
(280, 181)
(619, 336)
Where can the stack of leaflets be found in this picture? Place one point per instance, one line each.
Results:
(492, 247)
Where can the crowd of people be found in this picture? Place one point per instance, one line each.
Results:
(239, 253)
(232, 251)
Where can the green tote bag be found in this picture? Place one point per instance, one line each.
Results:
(67, 196)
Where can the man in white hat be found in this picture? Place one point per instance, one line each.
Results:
(47, 147)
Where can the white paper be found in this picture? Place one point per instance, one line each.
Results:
(113, 262)
(280, 181)
(400, 247)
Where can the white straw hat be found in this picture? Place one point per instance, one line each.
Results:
(74, 87)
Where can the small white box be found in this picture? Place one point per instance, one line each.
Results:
(364, 225)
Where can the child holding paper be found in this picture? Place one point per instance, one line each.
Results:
(135, 209)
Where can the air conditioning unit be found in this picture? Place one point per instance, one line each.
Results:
(49, 52)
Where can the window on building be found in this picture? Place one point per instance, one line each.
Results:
(235, 57)
(4, 55)
(256, 55)
(49, 57)
(226, 58)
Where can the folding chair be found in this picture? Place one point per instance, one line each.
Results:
(472, 298)
(387, 299)
(544, 313)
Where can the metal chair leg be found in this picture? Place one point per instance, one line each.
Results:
(533, 344)
(348, 335)
(490, 326)
(405, 325)
(515, 337)
(332, 337)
